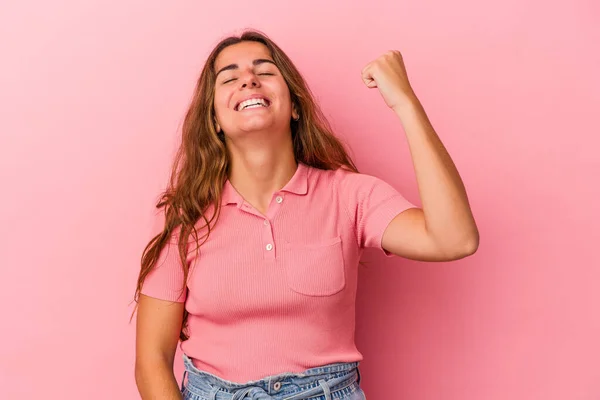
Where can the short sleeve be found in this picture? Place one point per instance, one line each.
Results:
(165, 280)
(372, 204)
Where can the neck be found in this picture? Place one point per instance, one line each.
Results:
(257, 172)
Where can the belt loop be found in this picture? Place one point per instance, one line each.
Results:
(326, 389)
(213, 393)
(183, 380)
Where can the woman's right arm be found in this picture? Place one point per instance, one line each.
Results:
(157, 334)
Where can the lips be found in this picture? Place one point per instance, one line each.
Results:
(252, 101)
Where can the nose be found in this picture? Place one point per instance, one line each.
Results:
(249, 80)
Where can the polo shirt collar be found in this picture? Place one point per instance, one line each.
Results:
(297, 185)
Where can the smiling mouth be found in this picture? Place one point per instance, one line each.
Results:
(253, 103)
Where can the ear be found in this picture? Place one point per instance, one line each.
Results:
(295, 114)
(217, 126)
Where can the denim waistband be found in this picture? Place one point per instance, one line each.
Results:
(286, 386)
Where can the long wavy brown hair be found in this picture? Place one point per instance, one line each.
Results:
(201, 165)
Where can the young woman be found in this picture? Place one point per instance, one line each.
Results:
(266, 218)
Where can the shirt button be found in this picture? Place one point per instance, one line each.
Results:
(279, 199)
(269, 247)
(266, 222)
(277, 385)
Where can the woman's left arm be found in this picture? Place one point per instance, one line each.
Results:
(444, 229)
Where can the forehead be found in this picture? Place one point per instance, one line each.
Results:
(242, 53)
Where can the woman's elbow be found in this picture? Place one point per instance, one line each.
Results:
(469, 245)
(458, 249)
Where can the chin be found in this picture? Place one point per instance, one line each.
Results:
(248, 128)
(256, 124)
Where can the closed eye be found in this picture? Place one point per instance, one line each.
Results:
(261, 74)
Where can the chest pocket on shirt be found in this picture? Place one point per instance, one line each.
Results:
(314, 269)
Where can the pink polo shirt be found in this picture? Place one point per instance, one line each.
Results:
(276, 293)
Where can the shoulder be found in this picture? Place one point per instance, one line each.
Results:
(340, 176)
(350, 187)
(356, 183)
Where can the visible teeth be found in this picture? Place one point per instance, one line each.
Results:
(252, 102)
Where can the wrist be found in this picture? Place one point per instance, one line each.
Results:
(408, 102)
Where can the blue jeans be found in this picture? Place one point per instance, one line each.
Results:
(339, 381)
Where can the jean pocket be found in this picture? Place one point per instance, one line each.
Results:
(315, 269)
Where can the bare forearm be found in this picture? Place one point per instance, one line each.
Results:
(446, 208)
(156, 381)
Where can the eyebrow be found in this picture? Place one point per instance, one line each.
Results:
(255, 63)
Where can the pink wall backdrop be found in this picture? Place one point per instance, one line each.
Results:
(92, 94)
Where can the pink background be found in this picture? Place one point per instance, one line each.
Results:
(92, 97)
